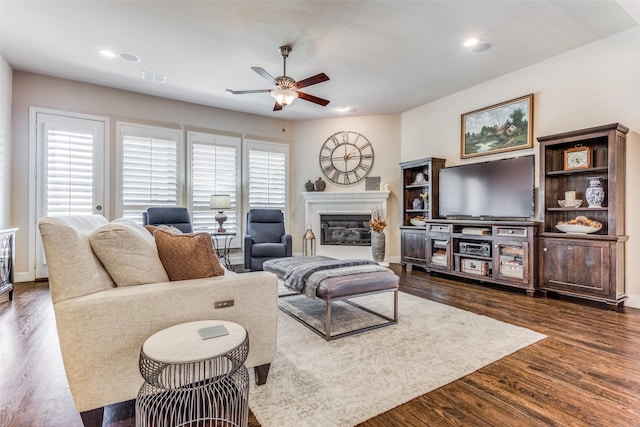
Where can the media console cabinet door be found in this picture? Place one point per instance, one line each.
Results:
(413, 247)
(577, 267)
(511, 261)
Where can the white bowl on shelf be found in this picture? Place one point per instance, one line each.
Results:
(578, 229)
(417, 222)
(576, 204)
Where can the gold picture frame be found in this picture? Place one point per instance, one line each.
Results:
(498, 128)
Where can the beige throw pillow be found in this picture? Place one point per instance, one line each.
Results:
(187, 256)
(128, 253)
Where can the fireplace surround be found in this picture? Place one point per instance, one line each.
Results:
(325, 203)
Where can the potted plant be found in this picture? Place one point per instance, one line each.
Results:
(377, 224)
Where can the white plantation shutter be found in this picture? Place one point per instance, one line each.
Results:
(267, 175)
(150, 169)
(214, 169)
(69, 187)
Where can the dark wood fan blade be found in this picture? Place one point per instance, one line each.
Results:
(264, 74)
(243, 92)
(277, 107)
(313, 80)
(312, 98)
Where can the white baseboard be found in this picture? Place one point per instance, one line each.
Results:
(24, 276)
(633, 301)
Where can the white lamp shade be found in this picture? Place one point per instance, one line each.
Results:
(220, 202)
(284, 97)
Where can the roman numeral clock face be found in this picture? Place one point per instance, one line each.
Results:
(346, 157)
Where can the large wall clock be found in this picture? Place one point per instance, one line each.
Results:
(346, 157)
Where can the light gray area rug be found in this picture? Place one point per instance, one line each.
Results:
(316, 383)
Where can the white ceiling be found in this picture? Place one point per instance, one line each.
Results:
(381, 56)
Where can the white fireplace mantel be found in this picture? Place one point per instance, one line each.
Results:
(322, 203)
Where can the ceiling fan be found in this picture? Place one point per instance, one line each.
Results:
(286, 89)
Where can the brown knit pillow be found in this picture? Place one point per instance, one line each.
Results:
(187, 256)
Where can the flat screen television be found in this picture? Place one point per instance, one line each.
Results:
(500, 189)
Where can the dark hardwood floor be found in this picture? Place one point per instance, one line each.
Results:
(586, 373)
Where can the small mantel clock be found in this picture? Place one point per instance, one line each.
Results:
(577, 158)
(346, 157)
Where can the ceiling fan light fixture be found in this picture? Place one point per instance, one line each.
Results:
(284, 97)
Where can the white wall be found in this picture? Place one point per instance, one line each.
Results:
(34, 90)
(6, 74)
(384, 134)
(594, 85)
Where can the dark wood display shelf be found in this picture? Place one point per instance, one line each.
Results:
(588, 266)
(413, 238)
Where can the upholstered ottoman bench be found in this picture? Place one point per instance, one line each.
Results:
(336, 280)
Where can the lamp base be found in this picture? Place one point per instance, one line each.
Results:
(221, 218)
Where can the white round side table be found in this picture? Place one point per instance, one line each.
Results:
(193, 381)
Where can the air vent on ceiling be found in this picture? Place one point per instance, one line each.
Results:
(152, 77)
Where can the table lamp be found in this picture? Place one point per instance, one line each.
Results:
(220, 202)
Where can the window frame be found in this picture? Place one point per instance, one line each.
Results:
(269, 146)
(147, 131)
(216, 139)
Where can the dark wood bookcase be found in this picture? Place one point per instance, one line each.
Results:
(584, 265)
(413, 237)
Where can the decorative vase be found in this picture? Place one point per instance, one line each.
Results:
(320, 185)
(417, 204)
(309, 186)
(595, 193)
(377, 245)
(426, 205)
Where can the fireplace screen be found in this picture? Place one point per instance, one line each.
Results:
(345, 230)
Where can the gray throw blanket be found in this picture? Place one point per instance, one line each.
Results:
(296, 271)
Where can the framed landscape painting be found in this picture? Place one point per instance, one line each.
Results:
(502, 127)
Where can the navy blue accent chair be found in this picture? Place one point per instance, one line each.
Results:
(265, 238)
(171, 215)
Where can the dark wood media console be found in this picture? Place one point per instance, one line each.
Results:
(501, 252)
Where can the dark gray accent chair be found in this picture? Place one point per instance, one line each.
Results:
(265, 238)
(170, 215)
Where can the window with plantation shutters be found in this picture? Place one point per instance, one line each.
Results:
(267, 182)
(150, 171)
(213, 169)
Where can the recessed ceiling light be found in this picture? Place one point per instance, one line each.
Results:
(479, 48)
(344, 109)
(129, 57)
(107, 53)
(471, 42)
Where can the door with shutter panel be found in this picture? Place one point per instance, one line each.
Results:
(70, 165)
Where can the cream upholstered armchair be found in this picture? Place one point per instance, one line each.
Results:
(110, 293)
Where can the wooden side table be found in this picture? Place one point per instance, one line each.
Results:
(7, 251)
(194, 381)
